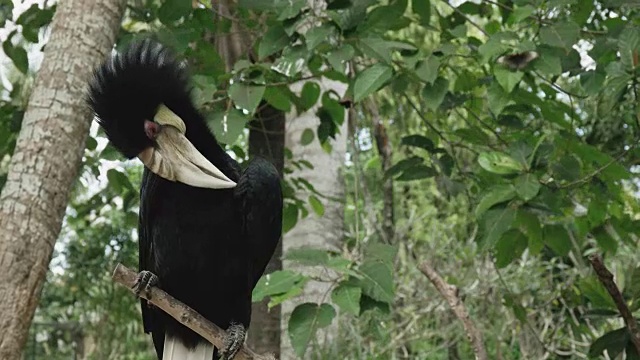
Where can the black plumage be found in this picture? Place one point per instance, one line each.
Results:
(208, 247)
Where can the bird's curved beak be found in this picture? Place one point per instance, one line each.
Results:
(175, 158)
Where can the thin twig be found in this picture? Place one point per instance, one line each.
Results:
(606, 278)
(450, 293)
(184, 314)
(596, 171)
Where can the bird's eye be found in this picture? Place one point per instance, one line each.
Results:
(151, 129)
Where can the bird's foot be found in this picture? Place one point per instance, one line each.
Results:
(145, 281)
(233, 341)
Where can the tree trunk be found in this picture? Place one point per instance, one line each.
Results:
(46, 159)
(324, 232)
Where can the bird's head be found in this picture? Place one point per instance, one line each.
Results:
(137, 96)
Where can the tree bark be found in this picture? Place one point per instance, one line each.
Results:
(46, 159)
(313, 231)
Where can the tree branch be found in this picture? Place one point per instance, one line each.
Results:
(450, 293)
(184, 314)
(606, 278)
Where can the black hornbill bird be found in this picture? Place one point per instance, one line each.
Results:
(207, 229)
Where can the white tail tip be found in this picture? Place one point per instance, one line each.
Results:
(174, 349)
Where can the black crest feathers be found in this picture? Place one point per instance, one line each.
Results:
(128, 88)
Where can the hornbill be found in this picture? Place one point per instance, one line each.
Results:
(207, 229)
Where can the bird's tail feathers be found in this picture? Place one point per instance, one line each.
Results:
(174, 349)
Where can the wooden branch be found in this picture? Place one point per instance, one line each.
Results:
(606, 278)
(184, 314)
(450, 293)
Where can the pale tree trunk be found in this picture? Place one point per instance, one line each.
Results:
(46, 159)
(320, 232)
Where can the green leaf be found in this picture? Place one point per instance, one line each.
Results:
(377, 280)
(549, 63)
(493, 47)
(568, 168)
(316, 205)
(433, 94)
(172, 10)
(32, 20)
(118, 180)
(529, 224)
(274, 40)
(521, 13)
(315, 36)
(597, 294)
(379, 17)
(403, 165)
(507, 79)
(294, 291)
(592, 81)
(246, 96)
(309, 95)
(557, 238)
(473, 135)
(342, 266)
(278, 97)
(613, 342)
(527, 186)
(632, 286)
(499, 163)
(383, 252)
(494, 223)
(420, 141)
(227, 126)
(497, 98)
(289, 217)
(422, 8)
(308, 256)
(339, 56)
(91, 143)
(347, 297)
(277, 282)
(597, 211)
(370, 80)
(510, 247)
(427, 69)
(17, 54)
(376, 48)
(307, 137)
(417, 172)
(605, 241)
(290, 8)
(563, 34)
(306, 319)
(629, 46)
(203, 90)
(493, 196)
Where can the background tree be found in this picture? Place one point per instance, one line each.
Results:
(46, 158)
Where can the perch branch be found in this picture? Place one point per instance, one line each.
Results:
(184, 314)
(450, 293)
(606, 278)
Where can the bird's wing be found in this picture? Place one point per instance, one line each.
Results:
(144, 241)
(259, 196)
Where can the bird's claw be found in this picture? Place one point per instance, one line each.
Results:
(145, 281)
(233, 341)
